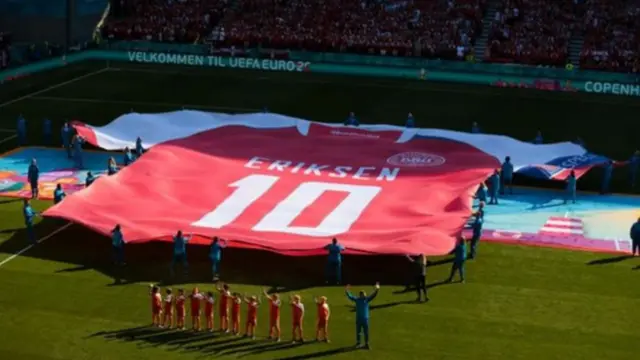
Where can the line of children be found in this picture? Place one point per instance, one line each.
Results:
(162, 311)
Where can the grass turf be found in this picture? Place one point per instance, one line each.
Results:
(62, 299)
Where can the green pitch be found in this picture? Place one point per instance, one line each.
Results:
(63, 300)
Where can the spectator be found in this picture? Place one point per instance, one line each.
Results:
(612, 42)
(533, 32)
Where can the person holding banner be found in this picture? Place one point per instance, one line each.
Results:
(34, 175)
(606, 178)
(494, 180)
(570, 191)
(58, 194)
(506, 176)
(78, 141)
(333, 271)
(352, 120)
(180, 251)
(635, 238)
(475, 129)
(117, 242)
(410, 123)
(215, 255)
(476, 226)
(139, 149)
(460, 257)
(538, 140)
(29, 214)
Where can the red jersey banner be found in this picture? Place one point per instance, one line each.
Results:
(291, 191)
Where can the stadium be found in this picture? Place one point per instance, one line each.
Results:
(387, 114)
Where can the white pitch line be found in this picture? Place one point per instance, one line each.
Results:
(64, 83)
(143, 103)
(32, 245)
(8, 130)
(4, 140)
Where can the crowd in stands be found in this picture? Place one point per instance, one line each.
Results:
(535, 32)
(612, 36)
(5, 50)
(429, 28)
(182, 21)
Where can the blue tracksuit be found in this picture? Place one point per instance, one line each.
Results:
(66, 135)
(46, 131)
(475, 129)
(410, 122)
(128, 158)
(538, 140)
(482, 193)
(606, 178)
(333, 270)
(139, 148)
(180, 252)
(215, 255)
(58, 196)
(570, 189)
(362, 315)
(506, 177)
(494, 180)
(77, 152)
(634, 164)
(90, 179)
(352, 121)
(635, 238)
(460, 253)
(22, 131)
(117, 242)
(29, 216)
(476, 226)
(33, 175)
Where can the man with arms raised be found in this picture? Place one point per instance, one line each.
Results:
(362, 313)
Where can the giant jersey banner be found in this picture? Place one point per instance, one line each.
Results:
(289, 185)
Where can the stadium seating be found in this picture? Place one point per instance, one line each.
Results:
(182, 21)
(612, 36)
(429, 28)
(535, 32)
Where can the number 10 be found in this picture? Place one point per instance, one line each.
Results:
(251, 188)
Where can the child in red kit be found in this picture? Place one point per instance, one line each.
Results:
(274, 315)
(297, 308)
(180, 311)
(252, 316)
(167, 321)
(196, 301)
(208, 310)
(224, 296)
(322, 328)
(156, 305)
(236, 301)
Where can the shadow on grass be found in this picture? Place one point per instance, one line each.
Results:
(609, 260)
(320, 354)
(9, 201)
(82, 250)
(199, 342)
(636, 268)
